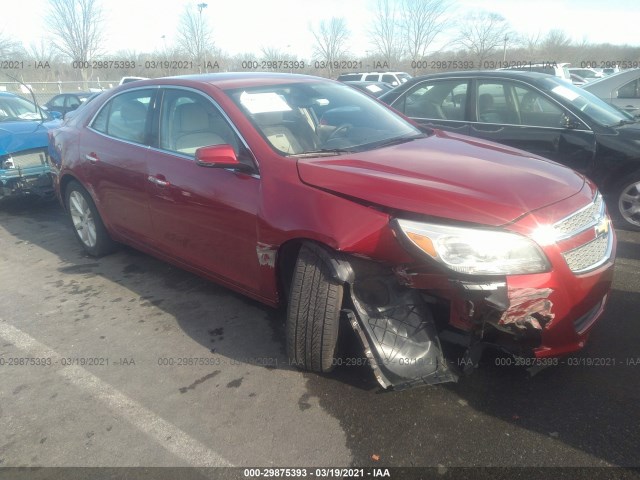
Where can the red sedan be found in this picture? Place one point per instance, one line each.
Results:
(299, 190)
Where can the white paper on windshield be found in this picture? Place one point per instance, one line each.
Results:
(373, 88)
(565, 92)
(264, 102)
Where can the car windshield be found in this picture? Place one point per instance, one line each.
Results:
(320, 118)
(600, 111)
(16, 108)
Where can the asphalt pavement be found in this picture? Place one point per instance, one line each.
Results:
(127, 361)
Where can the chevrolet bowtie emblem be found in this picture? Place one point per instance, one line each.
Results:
(602, 228)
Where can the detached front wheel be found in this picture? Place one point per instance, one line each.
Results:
(87, 224)
(313, 314)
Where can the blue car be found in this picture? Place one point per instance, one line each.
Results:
(24, 163)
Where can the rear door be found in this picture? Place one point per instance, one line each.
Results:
(115, 149)
(518, 115)
(437, 104)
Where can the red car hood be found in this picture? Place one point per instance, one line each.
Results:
(446, 175)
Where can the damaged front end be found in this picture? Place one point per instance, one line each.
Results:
(26, 173)
(401, 315)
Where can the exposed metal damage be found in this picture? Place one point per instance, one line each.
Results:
(266, 255)
(528, 306)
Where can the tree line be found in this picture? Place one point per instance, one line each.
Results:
(402, 36)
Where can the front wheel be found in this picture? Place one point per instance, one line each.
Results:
(313, 314)
(87, 224)
(626, 203)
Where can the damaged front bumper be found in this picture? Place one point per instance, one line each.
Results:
(401, 315)
(26, 173)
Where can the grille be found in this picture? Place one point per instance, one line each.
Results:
(26, 160)
(589, 255)
(582, 219)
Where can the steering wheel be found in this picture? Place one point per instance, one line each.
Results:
(343, 128)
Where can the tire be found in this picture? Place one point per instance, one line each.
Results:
(313, 313)
(85, 219)
(625, 203)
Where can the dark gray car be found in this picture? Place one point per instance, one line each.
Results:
(538, 113)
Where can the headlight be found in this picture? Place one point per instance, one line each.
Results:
(476, 251)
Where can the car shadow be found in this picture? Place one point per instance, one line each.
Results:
(590, 409)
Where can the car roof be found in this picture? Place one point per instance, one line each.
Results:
(515, 74)
(8, 94)
(614, 81)
(230, 80)
(366, 82)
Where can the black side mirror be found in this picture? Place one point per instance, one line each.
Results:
(568, 121)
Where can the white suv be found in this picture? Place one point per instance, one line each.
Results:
(392, 78)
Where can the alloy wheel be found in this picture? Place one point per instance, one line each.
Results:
(82, 219)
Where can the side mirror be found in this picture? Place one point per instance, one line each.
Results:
(217, 156)
(569, 122)
(55, 115)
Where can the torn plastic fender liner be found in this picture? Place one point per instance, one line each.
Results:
(393, 323)
(400, 339)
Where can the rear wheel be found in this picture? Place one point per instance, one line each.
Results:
(87, 224)
(627, 203)
(313, 314)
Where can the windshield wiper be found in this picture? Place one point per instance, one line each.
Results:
(322, 152)
(399, 140)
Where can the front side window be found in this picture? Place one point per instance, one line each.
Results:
(512, 103)
(189, 121)
(443, 100)
(126, 116)
(320, 118)
(535, 110)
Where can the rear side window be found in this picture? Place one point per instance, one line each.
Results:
(349, 77)
(445, 100)
(372, 78)
(390, 79)
(125, 116)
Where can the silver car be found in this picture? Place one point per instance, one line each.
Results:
(621, 89)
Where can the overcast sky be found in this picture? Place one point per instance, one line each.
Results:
(247, 25)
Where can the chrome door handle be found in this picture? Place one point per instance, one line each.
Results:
(157, 181)
(91, 157)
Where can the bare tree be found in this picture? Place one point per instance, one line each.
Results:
(385, 33)
(421, 22)
(331, 41)
(9, 47)
(531, 43)
(76, 27)
(482, 33)
(556, 45)
(195, 36)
